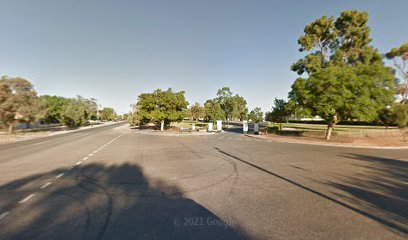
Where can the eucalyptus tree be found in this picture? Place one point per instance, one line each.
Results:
(400, 57)
(234, 106)
(213, 111)
(342, 76)
(256, 115)
(108, 114)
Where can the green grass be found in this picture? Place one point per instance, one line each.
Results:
(338, 129)
(188, 124)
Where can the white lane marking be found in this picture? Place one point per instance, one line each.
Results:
(84, 158)
(3, 215)
(42, 142)
(46, 185)
(59, 175)
(91, 154)
(78, 163)
(115, 138)
(95, 151)
(27, 198)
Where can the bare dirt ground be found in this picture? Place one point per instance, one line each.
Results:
(39, 133)
(391, 139)
(20, 136)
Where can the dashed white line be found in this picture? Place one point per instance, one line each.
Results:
(59, 175)
(95, 151)
(27, 198)
(84, 158)
(78, 163)
(46, 185)
(3, 215)
(91, 154)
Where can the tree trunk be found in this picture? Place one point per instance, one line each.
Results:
(162, 125)
(332, 121)
(11, 129)
(329, 130)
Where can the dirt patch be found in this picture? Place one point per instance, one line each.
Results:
(6, 138)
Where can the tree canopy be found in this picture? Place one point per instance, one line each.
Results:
(343, 77)
(400, 57)
(256, 115)
(162, 107)
(213, 111)
(280, 112)
(108, 114)
(18, 102)
(234, 106)
(196, 111)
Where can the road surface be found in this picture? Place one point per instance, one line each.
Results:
(115, 183)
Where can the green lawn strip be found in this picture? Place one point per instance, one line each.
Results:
(339, 129)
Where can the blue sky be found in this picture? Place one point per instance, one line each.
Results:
(115, 50)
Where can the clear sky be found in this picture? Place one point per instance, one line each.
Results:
(115, 50)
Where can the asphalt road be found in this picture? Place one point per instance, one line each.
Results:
(115, 183)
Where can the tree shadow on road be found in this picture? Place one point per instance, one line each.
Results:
(398, 202)
(380, 189)
(106, 202)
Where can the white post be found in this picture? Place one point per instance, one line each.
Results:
(210, 127)
(256, 128)
(219, 125)
(193, 127)
(245, 126)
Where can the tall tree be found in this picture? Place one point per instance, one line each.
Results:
(76, 111)
(108, 114)
(54, 106)
(234, 106)
(213, 111)
(400, 57)
(344, 77)
(280, 112)
(256, 115)
(162, 107)
(18, 102)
